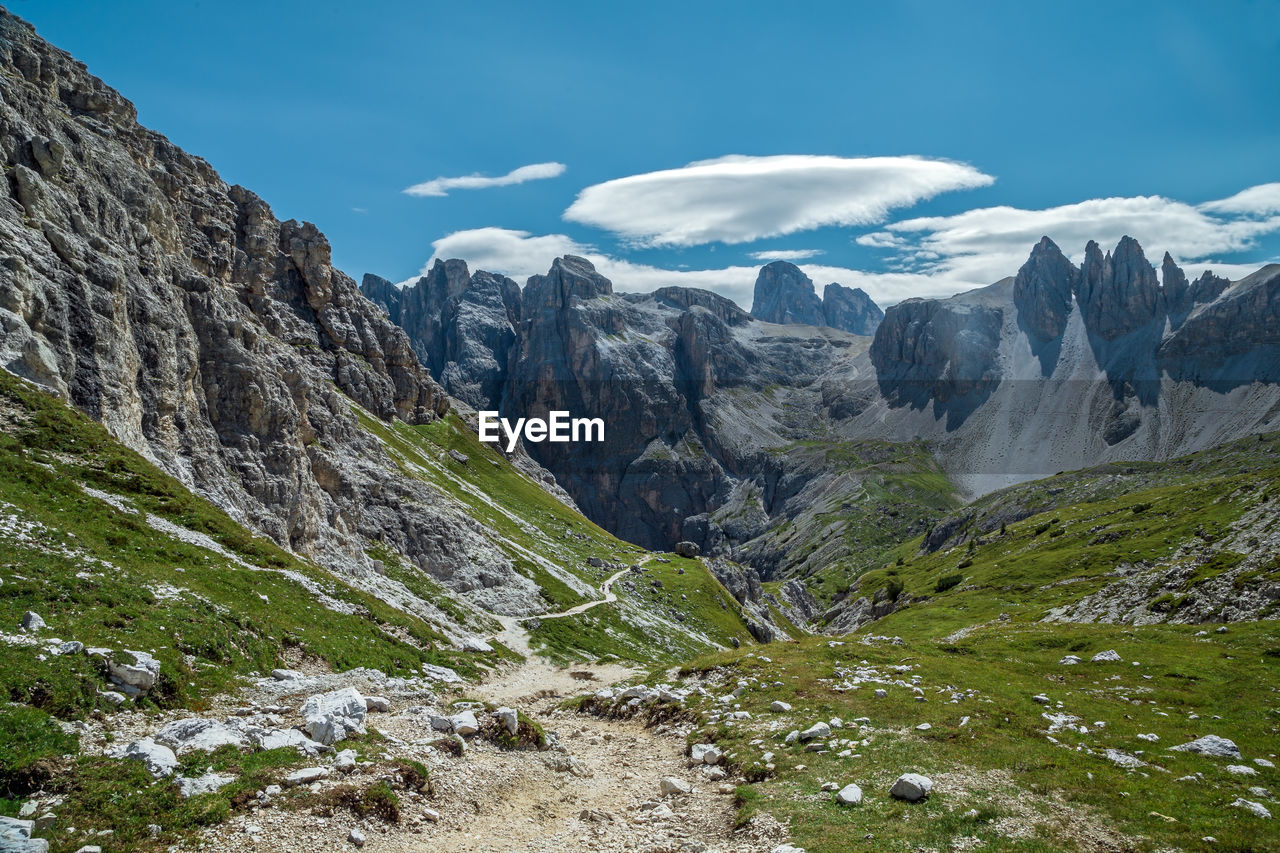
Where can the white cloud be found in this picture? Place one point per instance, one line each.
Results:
(442, 186)
(736, 199)
(787, 254)
(977, 247)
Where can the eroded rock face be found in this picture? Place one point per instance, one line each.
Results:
(1043, 289)
(1118, 292)
(206, 334)
(850, 309)
(784, 294)
(936, 350)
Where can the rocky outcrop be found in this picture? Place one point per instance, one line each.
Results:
(208, 335)
(1244, 320)
(1042, 291)
(850, 309)
(1118, 292)
(784, 294)
(937, 350)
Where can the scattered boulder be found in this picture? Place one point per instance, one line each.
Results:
(70, 647)
(815, 732)
(377, 703)
(911, 787)
(780, 707)
(198, 733)
(1108, 655)
(1041, 699)
(135, 678)
(206, 784)
(158, 759)
(509, 718)
(1241, 770)
(279, 738)
(331, 716)
(464, 724)
(355, 836)
(705, 753)
(1218, 747)
(849, 795)
(31, 621)
(1249, 805)
(461, 459)
(474, 644)
(345, 761)
(305, 776)
(687, 549)
(1069, 660)
(674, 785)
(15, 835)
(881, 693)
(286, 675)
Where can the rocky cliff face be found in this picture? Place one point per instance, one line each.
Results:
(1043, 290)
(784, 294)
(208, 335)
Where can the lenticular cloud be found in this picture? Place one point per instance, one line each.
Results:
(736, 199)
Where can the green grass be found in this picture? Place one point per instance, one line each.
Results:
(641, 627)
(1002, 763)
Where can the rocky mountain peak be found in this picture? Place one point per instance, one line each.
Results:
(1119, 292)
(569, 278)
(1042, 290)
(784, 294)
(1177, 293)
(850, 309)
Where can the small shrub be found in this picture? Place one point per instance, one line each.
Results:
(946, 582)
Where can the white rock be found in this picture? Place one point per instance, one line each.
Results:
(70, 647)
(464, 723)
(345, 761)
(305, 776)
(377, 703)
(849, 795)
(12, 829)
(923, 727)
(1041, 699)
(206, 784)
(31, 621)
(286, 675)
(140, 675)
(112, 696)
(1149, 737)
(705, 753)
(90, 848)
(816, 732)
(509, 718)
(1108, 655)
(1241, 770)
(431, 815)
(780, 707)
(1248, 805)
(157, 758)
(198, 733)
(356, 837)
(787, 848)
(674, 785)
(280, 738)
(441, 673)
(330, 716)
(881, 693)
(911, 787)
(1218, 747)
(792, 737)
(441, 724)
(1069, 660)
(1262, 762)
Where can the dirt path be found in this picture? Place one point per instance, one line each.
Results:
(599, 790)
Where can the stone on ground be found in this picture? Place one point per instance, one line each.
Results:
(1108, 655)
(816, 731)
(157, 758)
(674, 785)
(911, 787)
(1218, 747)
(206, 784)
(1249, 805)
(849, 795)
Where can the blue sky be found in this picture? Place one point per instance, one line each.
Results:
(911, 148)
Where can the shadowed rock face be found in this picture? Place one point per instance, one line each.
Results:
(851, 309)
(208, 335)
(784, 294)
(462, 326)
(1043, 289)
(929, 350)
(1118, 292)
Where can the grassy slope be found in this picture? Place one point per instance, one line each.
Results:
(880, 494)
(1171, 513)
(641, 626)
(1002, 762)
(969, 617)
